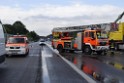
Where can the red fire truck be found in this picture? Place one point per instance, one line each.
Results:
(88, 38)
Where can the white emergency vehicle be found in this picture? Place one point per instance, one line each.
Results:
(17, 45)
(2, 44)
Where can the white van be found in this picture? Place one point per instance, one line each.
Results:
(17, 45)
(2, 44)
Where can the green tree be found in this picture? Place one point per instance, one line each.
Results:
(9, 29)
(33, 36)
(20, 28)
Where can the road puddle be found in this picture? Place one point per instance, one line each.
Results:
(95, 68)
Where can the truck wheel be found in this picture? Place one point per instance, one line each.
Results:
(88, 50)
(60, 48)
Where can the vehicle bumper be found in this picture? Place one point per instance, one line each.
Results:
(102, 48)
(16, 52)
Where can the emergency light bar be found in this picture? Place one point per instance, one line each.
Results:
(18, 36)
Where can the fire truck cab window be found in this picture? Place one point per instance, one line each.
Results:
(91, 34)
(56, 35)
(86, 34)
(101, 35)
(66, 34)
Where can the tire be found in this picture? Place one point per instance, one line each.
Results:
(27, 52)
(60, 48)
(83, 48)
(87, 50)
(2, 58)
(7, 55)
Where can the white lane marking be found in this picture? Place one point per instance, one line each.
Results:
(31, 54)
(46, 54)
(86, 77)
(46, 78)
(34, 55)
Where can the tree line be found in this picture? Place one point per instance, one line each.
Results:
(19, 28)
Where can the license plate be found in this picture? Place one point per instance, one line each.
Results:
(14, 53)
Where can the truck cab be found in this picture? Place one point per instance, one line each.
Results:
(17, 45)
(92, 41)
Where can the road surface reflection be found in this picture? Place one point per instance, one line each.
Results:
(96, 68)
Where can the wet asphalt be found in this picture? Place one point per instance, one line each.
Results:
(28, 69)
(22, 69)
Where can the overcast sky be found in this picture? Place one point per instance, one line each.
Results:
(43, 15)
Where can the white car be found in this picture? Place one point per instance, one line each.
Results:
(42, 42)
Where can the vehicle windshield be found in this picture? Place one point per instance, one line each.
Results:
(101, 35)
(16, 40)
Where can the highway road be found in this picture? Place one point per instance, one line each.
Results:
(22, 69)
(45, 65)
(28, 69)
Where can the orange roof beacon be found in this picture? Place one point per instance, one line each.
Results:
(17, 45)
